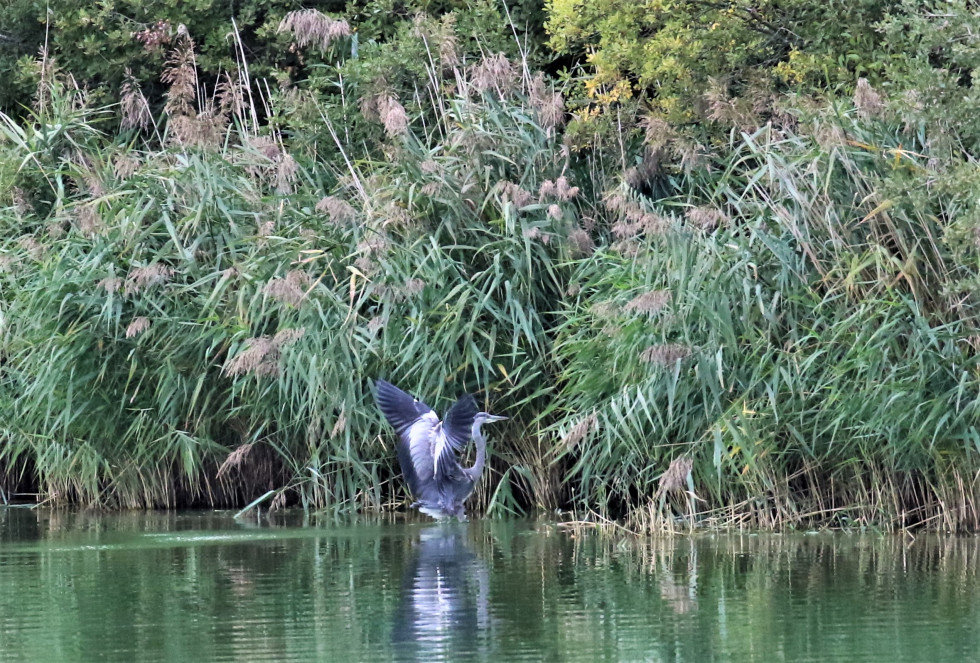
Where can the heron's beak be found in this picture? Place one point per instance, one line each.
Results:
(495, 417)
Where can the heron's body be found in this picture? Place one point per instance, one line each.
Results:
(427, 448)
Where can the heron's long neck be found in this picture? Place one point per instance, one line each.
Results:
(481, 454)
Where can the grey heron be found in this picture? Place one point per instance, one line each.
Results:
(427, 448)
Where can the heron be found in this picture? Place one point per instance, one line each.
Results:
(427, 448)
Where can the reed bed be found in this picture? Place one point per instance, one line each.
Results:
(192, 309)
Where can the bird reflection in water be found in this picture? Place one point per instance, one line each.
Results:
(443, 611)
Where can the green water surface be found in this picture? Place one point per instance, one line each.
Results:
(200, 586)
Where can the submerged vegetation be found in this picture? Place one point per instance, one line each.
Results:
(749, 301)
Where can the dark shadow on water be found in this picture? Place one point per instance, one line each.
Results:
(444, 604)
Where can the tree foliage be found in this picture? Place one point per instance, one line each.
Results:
(672, 49)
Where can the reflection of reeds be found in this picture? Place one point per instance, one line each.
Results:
(677, 595)
(558, 594)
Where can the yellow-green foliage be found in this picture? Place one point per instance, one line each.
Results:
(672, 49)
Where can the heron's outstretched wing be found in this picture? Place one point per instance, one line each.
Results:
(455, 432)
(416, 425)
(400, 409)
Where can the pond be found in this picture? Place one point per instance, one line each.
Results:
(79, 586)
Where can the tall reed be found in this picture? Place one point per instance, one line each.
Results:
(804, 354)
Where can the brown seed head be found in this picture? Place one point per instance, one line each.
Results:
(563, 190)
(705, 218)
(137, 326)
(547, 190)
(180, 73)
(310, 27)
(659, 134)
(549, 104)
(494, 72)
(285, 337)
(413, 287)
(261, 356)
(508, 191)
(278, 502)
(291, 289)
(154, 36)
(532, 233)
(340, 425)
(581, 241)
(338, 209)
(665, 355)
(649, 302)
(55, 229)
(144, 277)
(634, 219)
(286, 174)
(111, 283)
(448, 50)
(234, 459)
(124, 166)
(267, 146)
(393, 116)
(580, 431)
(430, 167)
(32, 246)
(675, 478)
(87, 219)
(867, 101)
(606, 309)
(134, 108)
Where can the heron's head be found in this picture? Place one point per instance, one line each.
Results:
(486, 418)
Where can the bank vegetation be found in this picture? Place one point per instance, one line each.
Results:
(736, 290)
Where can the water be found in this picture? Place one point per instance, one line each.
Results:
(76, 586)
